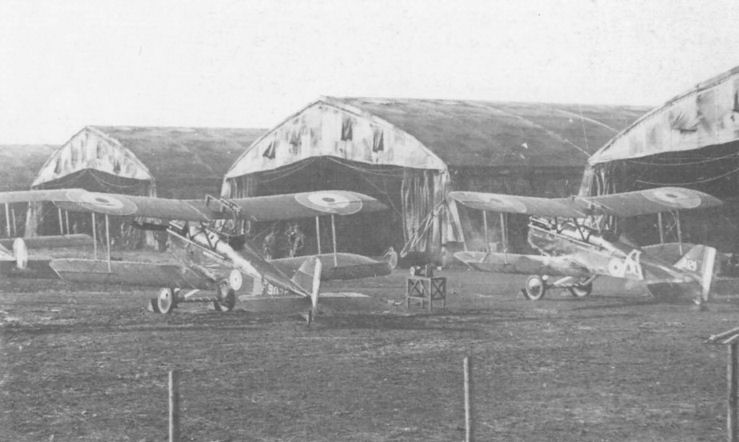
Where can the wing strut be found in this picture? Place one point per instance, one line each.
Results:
(94, 236)
(12, 217)
(61, 221)
(107, 240)
(318, 234)
(661, 228)
(7, 219)
(503, 231)
(333, 237)
(679, 231)
(485, 229)
(504, 236)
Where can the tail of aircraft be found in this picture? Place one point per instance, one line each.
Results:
(699, 261)
(308, 277)
(391, 258)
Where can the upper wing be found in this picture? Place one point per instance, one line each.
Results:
(265, 208)
(625, 204)
(496, 202)
(307, 204)
(643, 202)
(29, 196)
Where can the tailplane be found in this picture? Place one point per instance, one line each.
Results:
(699, 262)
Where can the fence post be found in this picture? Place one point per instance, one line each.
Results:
(468, 434)
(174, 406)
(731, 387)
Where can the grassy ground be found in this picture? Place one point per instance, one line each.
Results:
(87, 363)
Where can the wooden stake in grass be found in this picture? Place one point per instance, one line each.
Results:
(731, 387)
(174, 406)
(468, 435)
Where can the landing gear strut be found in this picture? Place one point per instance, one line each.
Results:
(226, 299)
(169, 298)
(537, 285)
(581, 290)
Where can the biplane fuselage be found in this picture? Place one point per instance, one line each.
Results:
(567, 233)
(205, 258)
(578, 254)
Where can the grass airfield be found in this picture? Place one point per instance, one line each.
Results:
(90, 363)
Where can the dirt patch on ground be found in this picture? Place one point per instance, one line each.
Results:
(83, 363)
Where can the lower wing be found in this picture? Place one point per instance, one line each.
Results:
(522, 264)
(130, 273)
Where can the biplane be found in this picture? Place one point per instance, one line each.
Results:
(577, 242)
(209, 255)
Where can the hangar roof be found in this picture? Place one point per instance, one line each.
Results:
(437, 134)
(706, 115)
(149, 153)
(484, 133)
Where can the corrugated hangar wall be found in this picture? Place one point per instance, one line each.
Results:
(411, 153)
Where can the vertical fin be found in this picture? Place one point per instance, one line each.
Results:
(308, 278)
(700, 262)
(709, 262)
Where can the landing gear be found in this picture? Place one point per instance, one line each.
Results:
(535, 288)
(166, 300)
(226, 298)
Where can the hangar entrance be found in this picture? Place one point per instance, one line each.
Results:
(407, 192)
(712, 169)
(46, 219)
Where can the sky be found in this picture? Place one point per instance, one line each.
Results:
(68, 64)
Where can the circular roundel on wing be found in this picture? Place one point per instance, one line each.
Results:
(103, 202)
(334, 202)
(504, 204)
(673, 197)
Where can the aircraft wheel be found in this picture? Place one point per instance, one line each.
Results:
(166, 301)
(581, 290)
(226, 300)
(535, 288)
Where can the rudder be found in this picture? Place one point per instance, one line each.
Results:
(700, 261)
(308, 278)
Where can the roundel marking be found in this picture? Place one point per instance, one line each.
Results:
(235, 279)
(616, 268)
(103, 203)
(673, 197)
(340, 203)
